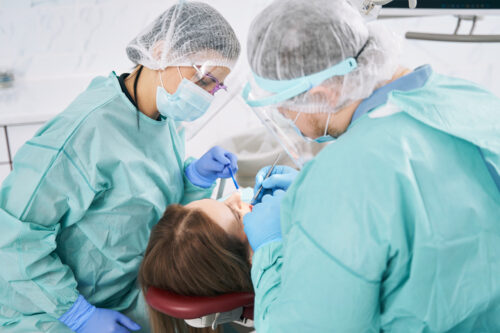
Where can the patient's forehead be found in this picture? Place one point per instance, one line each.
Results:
(217, 211)
(208, 204)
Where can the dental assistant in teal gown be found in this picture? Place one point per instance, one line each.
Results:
(395, 225)
(77, 209)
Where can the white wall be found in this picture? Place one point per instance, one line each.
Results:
(477, 62)
(65, 38)
(55, 47)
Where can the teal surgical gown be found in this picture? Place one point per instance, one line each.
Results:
(77, 210)
(395, 226)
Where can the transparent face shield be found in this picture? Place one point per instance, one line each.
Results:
(211, 79)
(265, 97)
(281, 128)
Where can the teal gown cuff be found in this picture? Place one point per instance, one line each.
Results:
(266, 264)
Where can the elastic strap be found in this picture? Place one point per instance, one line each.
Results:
(361, 51)
(136, 104)
(136, 80)
(327, 123)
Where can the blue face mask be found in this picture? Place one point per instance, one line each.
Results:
(188, 103)
(322, 139)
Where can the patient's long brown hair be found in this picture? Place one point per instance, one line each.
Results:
(189, 254)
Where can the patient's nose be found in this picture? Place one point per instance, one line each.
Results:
(234, 199)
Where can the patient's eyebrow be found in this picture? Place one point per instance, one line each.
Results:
(235, 213)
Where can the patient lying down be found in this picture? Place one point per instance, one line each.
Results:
(199, 249)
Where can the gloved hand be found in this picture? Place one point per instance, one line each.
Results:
(262, 224)
(214, 164)
(281, 178)
(83, 317)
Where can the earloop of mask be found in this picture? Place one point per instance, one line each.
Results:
(327, 122)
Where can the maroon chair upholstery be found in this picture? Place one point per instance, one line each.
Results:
(190, 307)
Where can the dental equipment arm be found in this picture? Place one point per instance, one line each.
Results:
(366, 6)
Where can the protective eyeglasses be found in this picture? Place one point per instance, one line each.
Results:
(200, 76)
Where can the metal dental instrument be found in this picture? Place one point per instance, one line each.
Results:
(220, 190)
(267, 176)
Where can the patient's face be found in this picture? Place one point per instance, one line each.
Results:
(228, 214)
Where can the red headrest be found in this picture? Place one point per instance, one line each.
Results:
(190, 307)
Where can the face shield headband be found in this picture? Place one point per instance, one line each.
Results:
(286, 89)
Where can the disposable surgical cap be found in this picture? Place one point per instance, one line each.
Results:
(189, 33)
(295, 38)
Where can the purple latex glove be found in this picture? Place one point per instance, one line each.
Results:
(83, 317)
(214, 164)
(262, 224)
(281, 178)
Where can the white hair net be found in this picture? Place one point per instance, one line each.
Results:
(295, 38)
(189, 33)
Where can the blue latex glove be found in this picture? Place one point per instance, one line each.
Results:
(262, 224)
(214, 164)
(281, 178)
(83, 317)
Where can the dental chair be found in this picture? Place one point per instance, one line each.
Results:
(204, 311)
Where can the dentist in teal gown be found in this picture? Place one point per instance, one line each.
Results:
(77, 209)
(393, 227)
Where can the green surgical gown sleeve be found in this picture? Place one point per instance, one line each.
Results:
(308, 285)
(330, 259)
(191, 191)
(393, 227)
(45, 190)
(280, 305)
